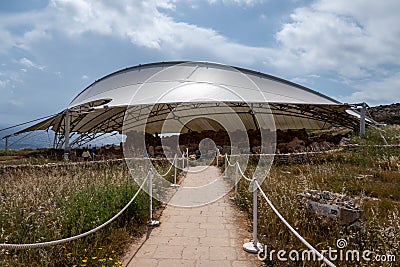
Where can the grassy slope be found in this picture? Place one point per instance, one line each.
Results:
(370, 175)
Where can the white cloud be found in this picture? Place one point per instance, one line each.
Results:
(238, 2)
(305, 79)
(143, 23)
(29, 64)
(149, 27)
(3, 84)
(386, 90)
(345, 37)
(351, 38)
(355, 42)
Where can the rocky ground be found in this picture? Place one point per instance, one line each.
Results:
(388, 114)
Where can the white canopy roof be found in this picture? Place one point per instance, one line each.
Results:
(195, 79)
(158, 88)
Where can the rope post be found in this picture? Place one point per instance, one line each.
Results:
(254, 246)
(187, 158)
(236, 178)
(217, 156)
(174, 162)
(151, 221)
(183, 161)
(225, 166)
(174, 170)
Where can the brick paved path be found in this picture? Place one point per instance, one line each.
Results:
(209, 235)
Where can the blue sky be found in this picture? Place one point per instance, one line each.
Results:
(51, 50)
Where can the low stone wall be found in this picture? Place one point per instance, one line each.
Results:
(295, 158)
(279, 159)
(60, 165)
(67, 165)
(355, 146)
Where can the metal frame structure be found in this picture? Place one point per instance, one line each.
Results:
(101, 108)
(150, 115)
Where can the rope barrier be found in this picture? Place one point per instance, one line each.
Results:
(60, 241)
(241, 173)
(238, 166)
(254, 246)
(329, 263)
(170, 167)
(227, 160)
(379, 130)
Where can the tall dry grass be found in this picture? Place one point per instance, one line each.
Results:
(370, 175)
(44, 204)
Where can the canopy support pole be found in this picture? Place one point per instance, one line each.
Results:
(67, 148)
(362, 119)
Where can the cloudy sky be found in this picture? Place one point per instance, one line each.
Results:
(52, 49)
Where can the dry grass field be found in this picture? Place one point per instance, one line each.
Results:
(44, 204)
(369, 175)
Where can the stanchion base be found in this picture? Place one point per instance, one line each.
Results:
(175, 185)
(153, 223)
(250, 248)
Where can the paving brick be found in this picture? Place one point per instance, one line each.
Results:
(168, 252)
(208, 236)
(243, 263)
(197, 252)
(143, 262)
(198, 219)
(197, 232)
(167, 232)
(213, 263)
(213, 225)
(214, 241)
(223, 253)
(187, 225)
(146, 251)
(175, 262)
(218, 233)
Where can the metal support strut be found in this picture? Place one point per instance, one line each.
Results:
(362, 119)
(67, 148)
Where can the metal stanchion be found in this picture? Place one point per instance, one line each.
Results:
(254, 246)
(187, 158)
(151, 222)
(236, 178)
(225, 166)
(175, 184)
